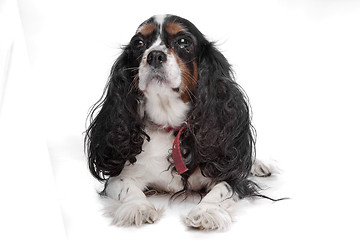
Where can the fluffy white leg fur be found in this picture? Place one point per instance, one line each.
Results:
(136, 212)
(214, 211)
(127, 205)
(262, 168)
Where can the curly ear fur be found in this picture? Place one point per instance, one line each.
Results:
(116, 133)
(224, 144)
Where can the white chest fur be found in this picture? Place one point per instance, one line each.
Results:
(165, 107)
(152, 166)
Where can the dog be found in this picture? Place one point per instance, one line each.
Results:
(172, 118)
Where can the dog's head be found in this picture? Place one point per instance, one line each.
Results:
(169, 56)
(167, 49)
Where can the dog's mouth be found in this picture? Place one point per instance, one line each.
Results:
(161, 80)
(158, 79)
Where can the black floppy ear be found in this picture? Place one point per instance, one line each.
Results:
(221, 123)
(115, 134)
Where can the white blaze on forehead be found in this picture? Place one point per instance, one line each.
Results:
(160, 18)
(156, 44)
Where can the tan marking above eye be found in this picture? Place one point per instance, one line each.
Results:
(174, 28)
(147, 29)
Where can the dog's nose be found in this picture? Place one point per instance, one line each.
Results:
(156, 58)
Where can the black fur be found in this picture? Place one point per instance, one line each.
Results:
(115, 134)
(219, 137)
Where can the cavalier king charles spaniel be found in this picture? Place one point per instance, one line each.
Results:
(173, 119)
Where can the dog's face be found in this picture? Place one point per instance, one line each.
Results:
(165, 48)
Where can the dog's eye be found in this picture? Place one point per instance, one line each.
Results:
(184, 42)
(138, 43)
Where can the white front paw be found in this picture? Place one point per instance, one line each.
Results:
(207, 216)
(136, 212)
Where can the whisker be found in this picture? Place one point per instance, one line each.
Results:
(190, 61)
(188, 91)
(190, 76)
(130, 68)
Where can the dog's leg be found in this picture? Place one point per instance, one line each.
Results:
(214, 211)
(127, 204)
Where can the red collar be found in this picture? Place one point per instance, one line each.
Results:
(176, 151)
(169, 128)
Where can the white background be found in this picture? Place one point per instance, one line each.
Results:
(299, 62)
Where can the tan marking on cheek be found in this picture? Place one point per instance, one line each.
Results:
(195, 75)
(147, 29)
(174, 28)
(136, 81)
(188, 79)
